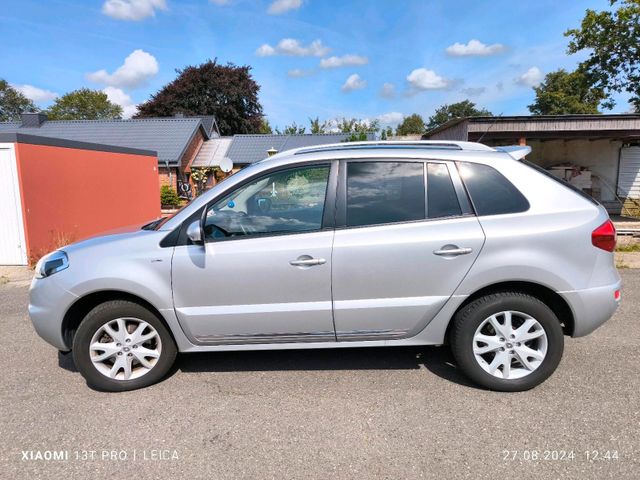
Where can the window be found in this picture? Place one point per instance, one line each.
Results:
(491, 193)
(441, 195)
(384, 192)
(284, 201)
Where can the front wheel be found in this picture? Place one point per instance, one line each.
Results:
(507, 341)
(120, 345)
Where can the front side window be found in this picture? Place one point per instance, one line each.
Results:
(490, 192)
(285, 201)
(384, 192)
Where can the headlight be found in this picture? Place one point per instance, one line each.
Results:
(51, 263)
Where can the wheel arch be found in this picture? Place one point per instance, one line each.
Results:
(83, 305)
(552, 299)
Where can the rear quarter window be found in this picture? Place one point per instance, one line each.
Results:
(491, 193)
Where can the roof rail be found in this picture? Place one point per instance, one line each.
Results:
(393, 144)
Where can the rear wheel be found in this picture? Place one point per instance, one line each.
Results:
(507, 341)
(120, 345)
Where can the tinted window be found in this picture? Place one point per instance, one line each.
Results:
(441, 196)
(285, 201)
(490, 192)
(384, 192)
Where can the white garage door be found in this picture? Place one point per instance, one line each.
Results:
(12, 244)
(629, 173)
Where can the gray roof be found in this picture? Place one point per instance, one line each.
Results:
(247, 149)
(169, 137)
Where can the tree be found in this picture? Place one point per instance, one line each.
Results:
(265, 127)
(316, 127)
(411, 125)
(462, 109)
(13, 103)
(292, 129)
(228, 92)
(84, 104)
(611, 40)
(563, 93)
(358, 130)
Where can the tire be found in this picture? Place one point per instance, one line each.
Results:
(144, 349)
(475, 323)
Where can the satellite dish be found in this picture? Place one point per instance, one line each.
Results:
(226, 165)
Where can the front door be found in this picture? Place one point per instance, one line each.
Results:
(264, 272)
(400, 249)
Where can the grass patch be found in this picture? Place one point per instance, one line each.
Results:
(628, 247)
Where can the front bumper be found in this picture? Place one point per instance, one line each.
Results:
(592, 307)
(48, 303)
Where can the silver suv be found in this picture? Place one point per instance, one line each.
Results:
(348, 245)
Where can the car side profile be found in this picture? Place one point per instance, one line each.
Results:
(350, 245)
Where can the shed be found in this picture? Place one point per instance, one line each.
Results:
(608, 146)
(54, 192)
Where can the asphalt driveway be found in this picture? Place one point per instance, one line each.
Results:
(363, 413)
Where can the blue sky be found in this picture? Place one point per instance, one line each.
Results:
(364, 58)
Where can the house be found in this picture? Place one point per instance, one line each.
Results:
(598, 153)
(176, 140)
(55, 191)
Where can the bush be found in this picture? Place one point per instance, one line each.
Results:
(168, 196)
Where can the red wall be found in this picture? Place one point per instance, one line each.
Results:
(70, 194)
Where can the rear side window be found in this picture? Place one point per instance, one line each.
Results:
(442, 199)
(491, 193)
(384, 192)
(560, 181)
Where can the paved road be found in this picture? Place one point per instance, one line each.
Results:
(366, 413)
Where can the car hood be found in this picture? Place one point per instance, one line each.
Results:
(114, 235)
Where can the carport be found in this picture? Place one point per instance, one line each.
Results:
(603, 149)
(53, 192)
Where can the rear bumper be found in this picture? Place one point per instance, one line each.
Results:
(592, 307)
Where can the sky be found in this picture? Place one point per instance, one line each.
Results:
(367, 59)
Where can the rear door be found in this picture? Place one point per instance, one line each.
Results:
(405, 238)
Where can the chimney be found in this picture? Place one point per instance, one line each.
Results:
(33, 119)
(272, 151)
(178, 115)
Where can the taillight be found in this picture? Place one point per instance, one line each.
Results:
(604, 236)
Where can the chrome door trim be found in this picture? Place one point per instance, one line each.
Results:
(254, 338)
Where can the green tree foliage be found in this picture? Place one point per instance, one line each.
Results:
(293, 129)
(228, 92)
(318, 127)
(84, 104)
(563, 93)
(265, 127)
(13, 103)
(357, 129)
(611, 40)
(168, 196)
(465, 108)
(411, 125)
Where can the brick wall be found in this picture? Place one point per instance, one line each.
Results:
(191, 152)
(163, 176)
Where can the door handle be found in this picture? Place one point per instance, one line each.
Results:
(307, 262)
(452, 251)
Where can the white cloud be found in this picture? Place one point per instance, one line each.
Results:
(424, 79)
(117, 96)
(474, 48)
(138, 67)
(354, 82)
(474, 91)
(298, 73)
(343, 61)
(38, 95)
(132, 9)
(530, 78)
(282, 6)
(390, 118)
(388, 90)
(293, 48)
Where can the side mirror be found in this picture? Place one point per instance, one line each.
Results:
(194, 232)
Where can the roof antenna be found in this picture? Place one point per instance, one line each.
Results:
(495, 119)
